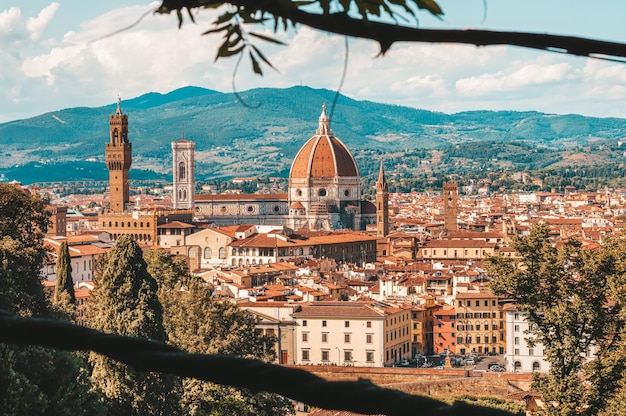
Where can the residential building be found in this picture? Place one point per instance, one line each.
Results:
(352, 333)
(479, 322)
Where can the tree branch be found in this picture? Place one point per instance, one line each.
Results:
(147, 355)
(387, 34)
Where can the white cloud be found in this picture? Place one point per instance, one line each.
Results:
(35, 26)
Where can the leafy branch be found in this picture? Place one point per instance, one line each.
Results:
(362, 19)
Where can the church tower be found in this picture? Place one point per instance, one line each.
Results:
(382, 204)
(118, 156)
(183, 193)
(450, 194)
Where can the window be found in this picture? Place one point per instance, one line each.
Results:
(346, 324)
(516, 341)
(305, 337)
(535, 366)
(323, 323)
(459, 340)
(368, 324)
(347, 355)
(346, 338)
(516, 351)
(369, 338)
(304, 322)
(494, 339)
(325, 355)
(324, 336)
(369, 356)
(478, 340)
(516, 328)
(477, 303)
(305, 355)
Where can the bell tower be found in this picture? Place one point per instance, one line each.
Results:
(118, 156)
(450, 205)
(183, 192)
(382, 204)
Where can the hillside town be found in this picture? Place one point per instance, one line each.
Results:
(338, 280)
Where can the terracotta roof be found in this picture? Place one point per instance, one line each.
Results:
(175, 224)
(339, 309)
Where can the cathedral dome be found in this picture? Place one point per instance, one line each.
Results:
(324, 155)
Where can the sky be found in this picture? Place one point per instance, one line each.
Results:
(66, 53)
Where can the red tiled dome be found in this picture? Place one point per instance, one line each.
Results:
(323, 156)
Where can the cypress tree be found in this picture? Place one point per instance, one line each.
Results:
(125, 302)
(64, 296)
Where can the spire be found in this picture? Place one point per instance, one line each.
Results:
(324, 127)
(183, 138)
(381, 184)
(118, 110)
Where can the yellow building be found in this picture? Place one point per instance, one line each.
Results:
(479, 323)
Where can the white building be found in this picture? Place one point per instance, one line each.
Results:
(370, 334)
(519, 356)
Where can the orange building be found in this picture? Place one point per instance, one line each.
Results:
(444, 330)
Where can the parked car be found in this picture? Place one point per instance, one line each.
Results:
(492, 364)
(470, 361)
(496, 369)
(404, 363)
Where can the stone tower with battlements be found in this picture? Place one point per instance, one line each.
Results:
(118, 156)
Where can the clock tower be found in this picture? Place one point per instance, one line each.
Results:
(118, 156)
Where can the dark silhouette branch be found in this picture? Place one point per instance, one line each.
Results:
(147, 355)
(387, 34)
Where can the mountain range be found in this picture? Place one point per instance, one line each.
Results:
(258, 132)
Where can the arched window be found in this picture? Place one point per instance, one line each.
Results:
(234, 262)
(222, 253)
(536, 366)
(181, 170)
(115, 137)
(518, 366)
(207, 252)
(192, 252)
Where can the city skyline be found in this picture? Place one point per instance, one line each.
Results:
(68, 54)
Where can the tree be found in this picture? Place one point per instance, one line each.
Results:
(197, 323)
(33, 380)
(565, 294)
(64, 295)
(363, 19)
(125, 302)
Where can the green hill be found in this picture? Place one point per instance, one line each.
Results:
(261, 135)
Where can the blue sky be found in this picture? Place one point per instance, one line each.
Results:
(51, 58)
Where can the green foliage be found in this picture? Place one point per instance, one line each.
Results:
(126, 303)
(197, 323)
(64, 295)
(564, 293)
(33, 380)
(491, 402)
